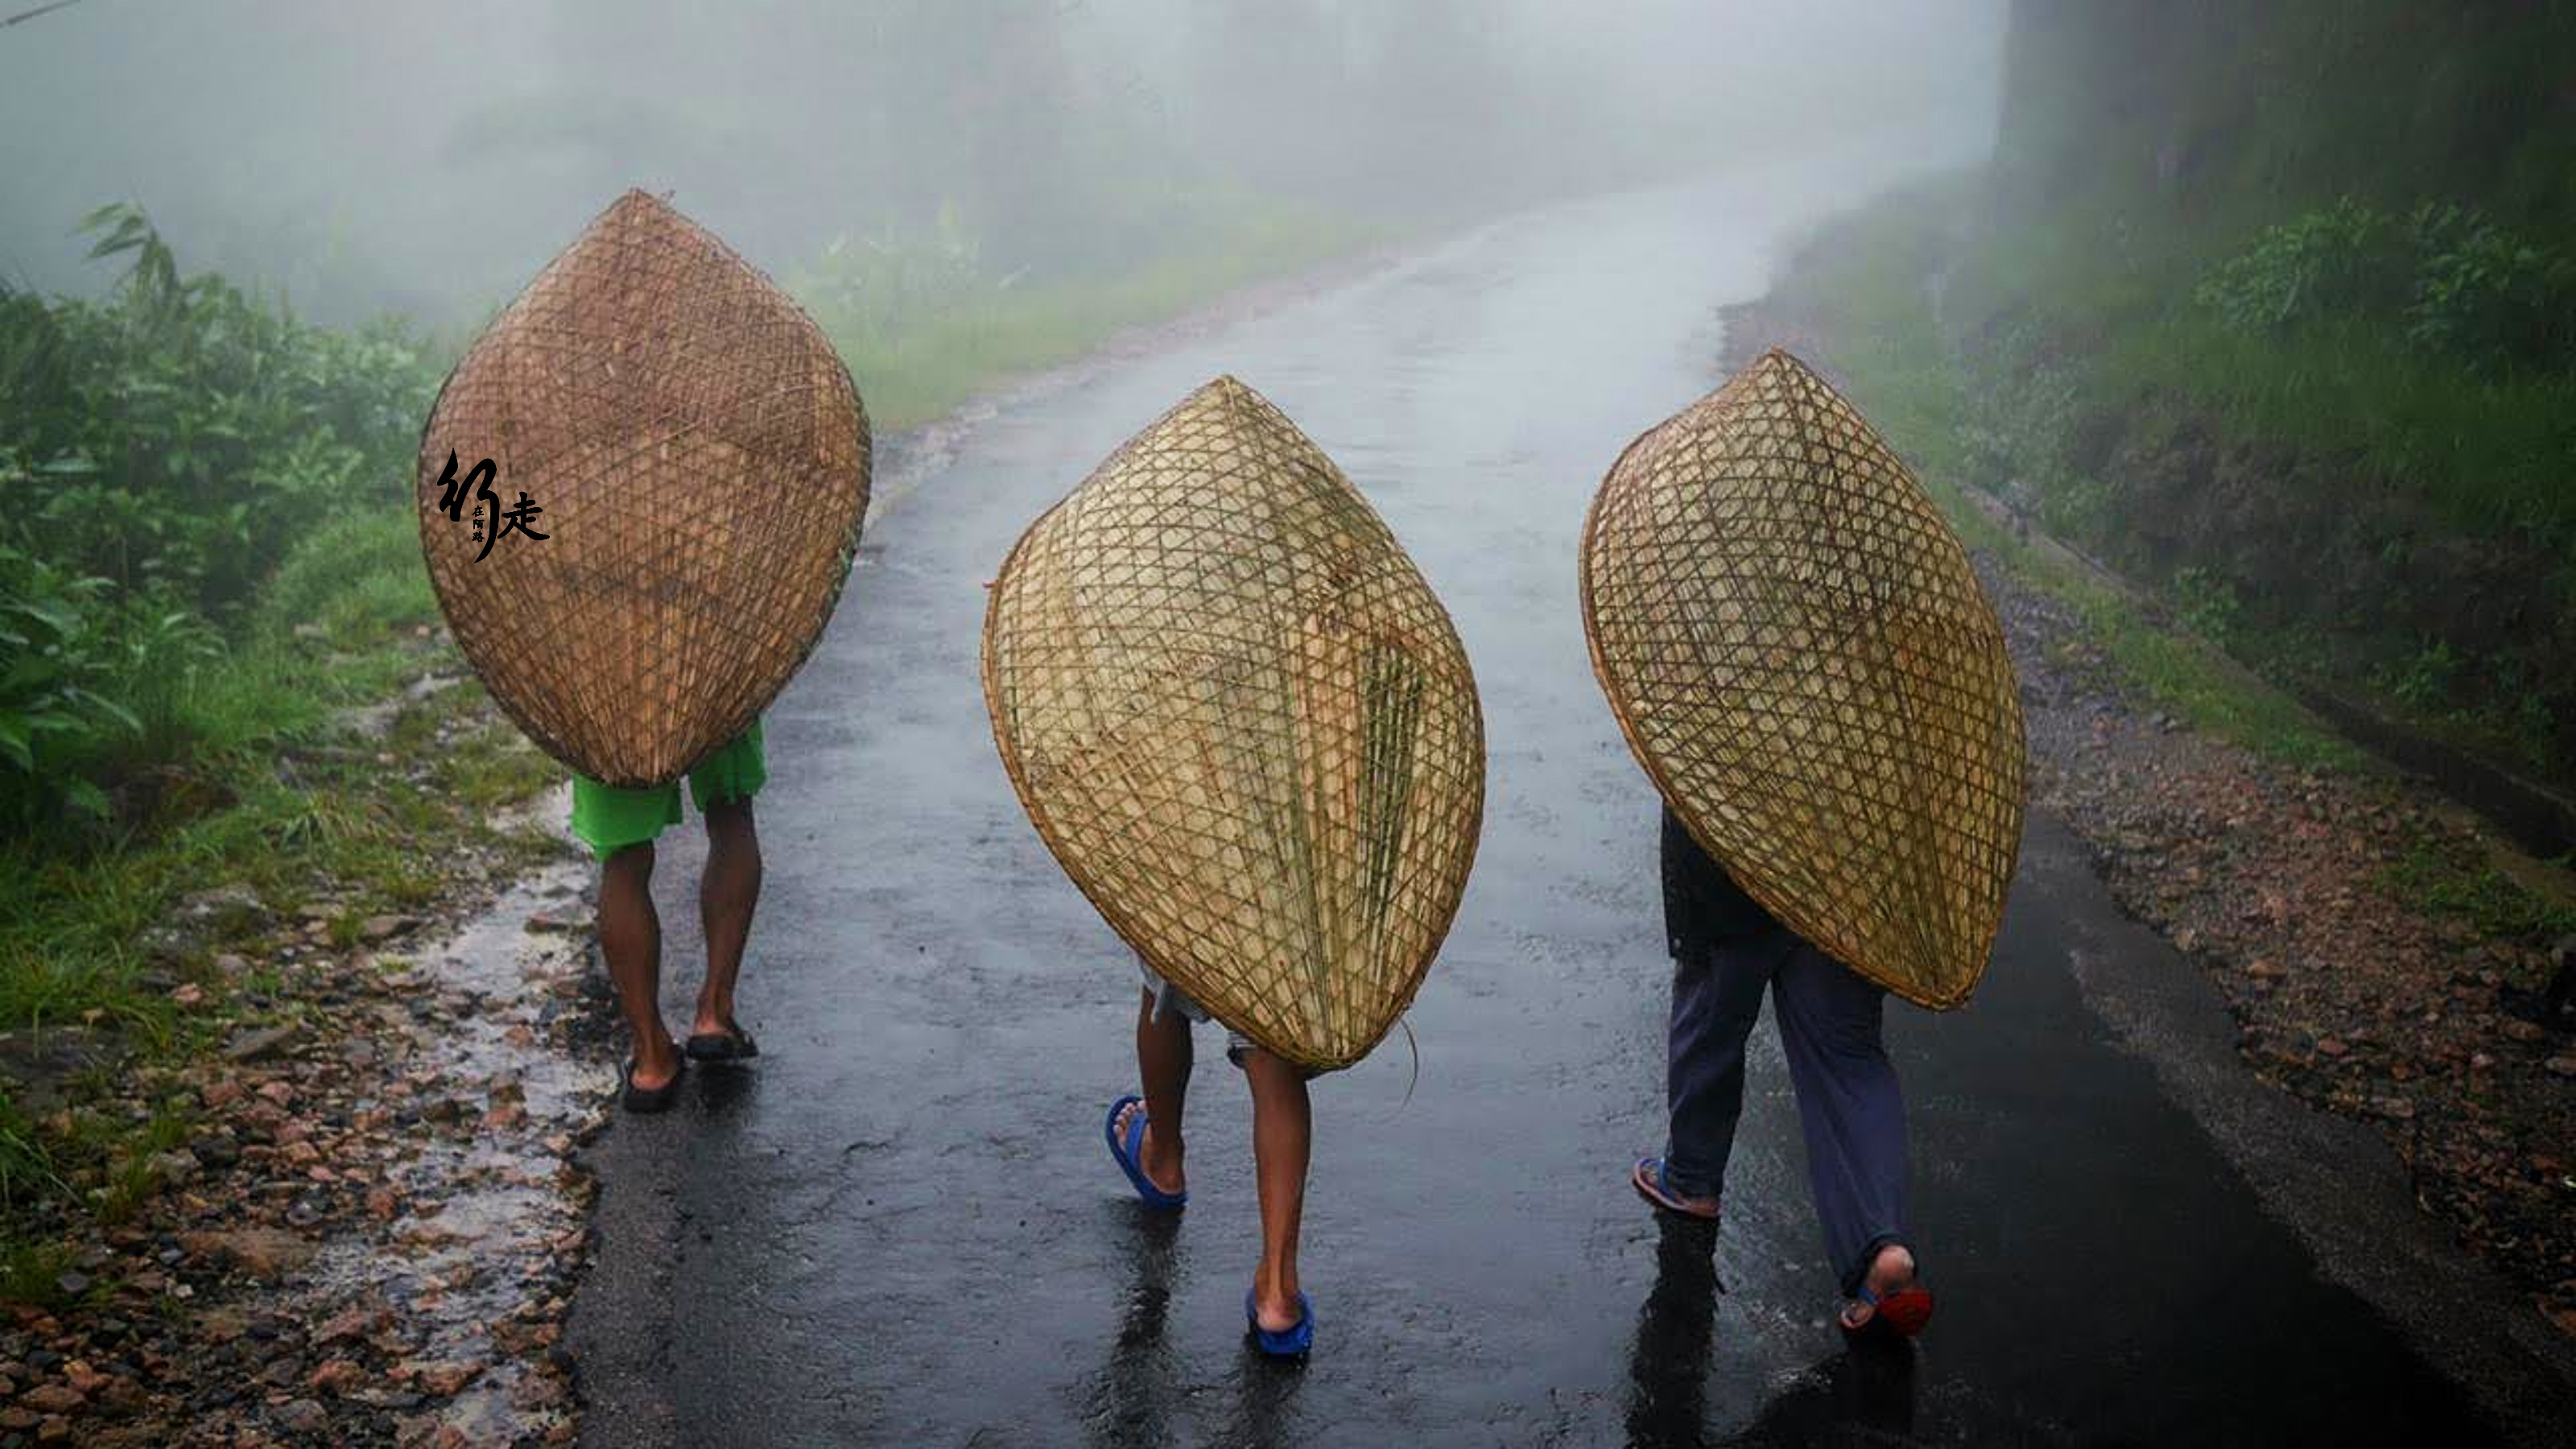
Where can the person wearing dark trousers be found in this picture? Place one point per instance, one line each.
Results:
(1726, 951)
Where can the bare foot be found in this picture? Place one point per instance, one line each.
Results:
(713, 1020)
(655, 1065)
(1274, 1299)
(1161, 1165)
(1892, 1271)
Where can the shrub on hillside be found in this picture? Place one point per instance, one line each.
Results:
(179, 434)
(161, 450)
(2335, 260)
(58, 661)
(2451, 280)
(2485, 295)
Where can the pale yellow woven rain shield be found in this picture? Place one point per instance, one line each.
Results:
(699, 458)
(1243, 724)
(1800, 656)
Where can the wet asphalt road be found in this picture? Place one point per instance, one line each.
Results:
(900, 1227)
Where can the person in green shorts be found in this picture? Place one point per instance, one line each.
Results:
(620, 827)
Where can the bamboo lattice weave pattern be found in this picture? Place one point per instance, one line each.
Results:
(701, 459)
(1801, 657)
(1244, 725)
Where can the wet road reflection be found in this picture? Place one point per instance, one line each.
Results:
(1862, 1395)
(1130, 1400)
(1669, 1368)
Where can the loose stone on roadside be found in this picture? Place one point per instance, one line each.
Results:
(375, 1173)
(259, 1043)
(554, 919)
(54, 1399)
(383, 928)
(266, 1254)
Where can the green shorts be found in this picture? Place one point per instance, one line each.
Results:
(609, 820)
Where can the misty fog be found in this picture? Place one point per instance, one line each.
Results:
(365, 157)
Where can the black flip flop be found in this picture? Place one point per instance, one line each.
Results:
(646, 1101)
(732, 1044)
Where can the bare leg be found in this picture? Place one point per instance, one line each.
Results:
(727, 893)
(630, 937)
(1163, 1057)
(1282, 1134)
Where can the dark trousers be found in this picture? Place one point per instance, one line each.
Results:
(1848, 1099)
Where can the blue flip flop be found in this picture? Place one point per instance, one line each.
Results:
(1125, 1152)
(1648, 1178)
(1293, 1342)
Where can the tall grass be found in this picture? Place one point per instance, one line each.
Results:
(2487, 453)
(2351, 419)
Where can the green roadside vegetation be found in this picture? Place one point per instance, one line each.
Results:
(1862, 285)
(1871, 290)
(229, 720)
(2271, 311)
(206, 557)
(2274, 309)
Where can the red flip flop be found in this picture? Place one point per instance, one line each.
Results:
(1900, 1314)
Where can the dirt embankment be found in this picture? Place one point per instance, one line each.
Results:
(2275, 880)
(368, 1233)
(2348, 585)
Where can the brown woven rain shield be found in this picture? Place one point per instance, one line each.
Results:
(1243, 724)
(1800, 656)
(701, 459)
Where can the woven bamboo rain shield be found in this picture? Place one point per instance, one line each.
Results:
(1243, 724)
(701, 459)
(1800, 656)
